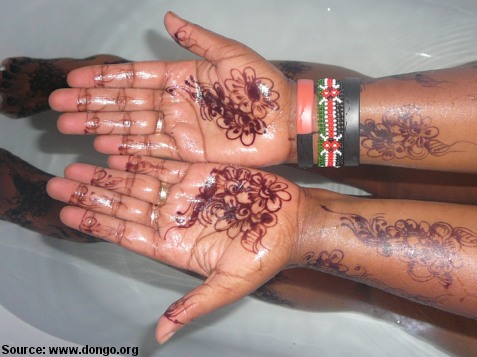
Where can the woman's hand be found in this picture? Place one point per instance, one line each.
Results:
(235, 226)
(230, 106)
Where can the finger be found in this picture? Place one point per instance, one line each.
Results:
(146, 75)
(130, 235)
(158, 145)
(219, 290)
(140, 186)
(123, 123)
(168, 171)
(104, 201)
(107, 99)
(142, 239)
(204, 43)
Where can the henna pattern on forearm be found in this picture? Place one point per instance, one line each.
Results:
(238, 202)
(26, 83)
(24, 201)
(430, 250)
(403, 134)
(424, 79)
(239, 106)
(332, 262)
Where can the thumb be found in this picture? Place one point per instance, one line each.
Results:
(216, 292)
(204, 43)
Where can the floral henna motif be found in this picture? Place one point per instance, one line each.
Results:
(332, 262)
(403, 133)
(430, 250)
(239, 106)
(240, 203)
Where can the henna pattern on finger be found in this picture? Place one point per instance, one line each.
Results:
(238, 202)
(178, 308)
(102, 178)
(90, 224)
(430, 250)
(85, 198)
(239, 106)
(403, 134)
(92, 124)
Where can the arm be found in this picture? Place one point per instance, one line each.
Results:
(421, 120)
(425, 252)
(236, 99)
(239, 227)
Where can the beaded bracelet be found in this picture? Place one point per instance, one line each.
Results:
(330, 122)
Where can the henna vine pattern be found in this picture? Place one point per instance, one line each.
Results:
(176, 309)
(430, 250)
(403, 133)
(239, 106)
(332, 262)
(241, 203)
(423, 79)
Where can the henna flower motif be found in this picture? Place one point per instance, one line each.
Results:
(251, 94)
(240, 108)
(269, 195)
(238, 202)
(430, 250)
(403, 133)
(242, 126)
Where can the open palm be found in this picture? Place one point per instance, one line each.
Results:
(232, 106)
(234, 225)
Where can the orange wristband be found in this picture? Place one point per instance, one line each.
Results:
(304, 106)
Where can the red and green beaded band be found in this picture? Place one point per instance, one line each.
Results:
(330, 122)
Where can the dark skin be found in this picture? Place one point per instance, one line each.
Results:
(282, 289)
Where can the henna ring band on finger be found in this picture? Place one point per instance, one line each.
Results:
(163, 193)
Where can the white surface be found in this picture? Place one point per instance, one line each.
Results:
(55, 293)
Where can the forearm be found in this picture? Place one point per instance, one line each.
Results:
(24, 201)
(425, 252)
(425, 120)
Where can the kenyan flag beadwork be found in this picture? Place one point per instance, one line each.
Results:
(330, 122)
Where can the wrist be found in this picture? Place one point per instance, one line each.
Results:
(312, 223)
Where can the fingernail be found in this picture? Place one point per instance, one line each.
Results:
(166, 337)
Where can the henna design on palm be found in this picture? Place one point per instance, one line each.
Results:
(239, 202)
(239, 106)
